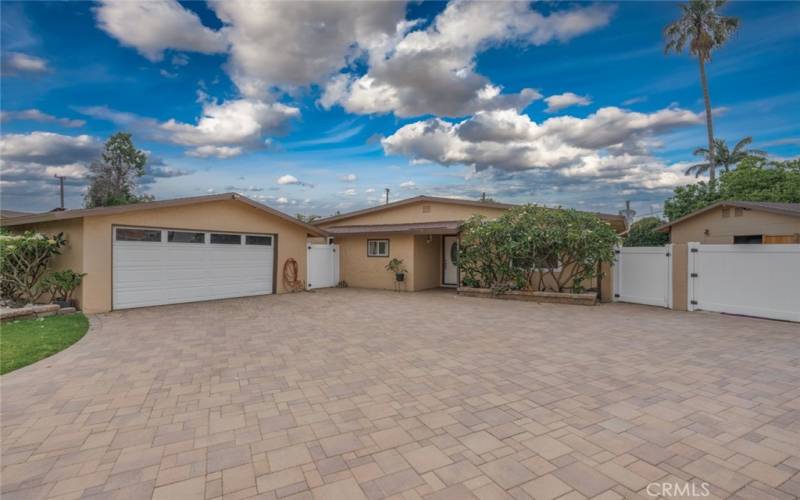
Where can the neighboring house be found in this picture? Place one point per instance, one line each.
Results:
(735, 222)
(422, 231)
(171, 251)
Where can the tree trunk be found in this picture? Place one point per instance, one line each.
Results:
(709, 124)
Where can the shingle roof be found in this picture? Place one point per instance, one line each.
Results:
(791, 209)
(617, 220)
(88, 212)
(445, 227)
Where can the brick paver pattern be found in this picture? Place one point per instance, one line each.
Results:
(356, 394)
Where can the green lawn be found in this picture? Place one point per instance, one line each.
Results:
(26, 341)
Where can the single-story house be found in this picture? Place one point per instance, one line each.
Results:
(421, 231)
(738, 222)
(171, 251)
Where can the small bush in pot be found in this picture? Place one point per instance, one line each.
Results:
(396, 266)
(61, 285)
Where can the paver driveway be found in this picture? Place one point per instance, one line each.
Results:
(351, 394)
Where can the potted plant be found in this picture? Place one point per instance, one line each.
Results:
(396, 266)
(61, 285)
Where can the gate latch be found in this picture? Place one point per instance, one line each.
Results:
(694, 275)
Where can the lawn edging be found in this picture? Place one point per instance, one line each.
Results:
(582, 299)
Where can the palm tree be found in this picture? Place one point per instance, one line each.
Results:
(308, 219)
(704, 29)
(723, 156)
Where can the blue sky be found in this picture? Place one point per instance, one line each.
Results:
(316, 108)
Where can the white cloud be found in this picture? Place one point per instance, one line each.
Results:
(565, 100)
(38, 116)
(349, 192)
(167, 74)
(287, 179)
(48, 148)
(180, 60)
(282, 200)
(223, 130)
(75, 171)
(348, 178)
(408, 185)
(153, 26)
(432, 71)
(17, 62)
(369, 190)
(293, 44)
(611, 145)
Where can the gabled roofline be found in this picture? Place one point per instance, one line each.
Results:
(151, 205)
(752, 205)
(408, 201)
(437, 199)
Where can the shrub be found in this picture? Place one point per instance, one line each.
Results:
(527, 244)
(23, 262)
(61, 284)
(643, 234)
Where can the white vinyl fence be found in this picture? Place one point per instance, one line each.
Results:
(323, 266)
(643, 275)
(755, 280)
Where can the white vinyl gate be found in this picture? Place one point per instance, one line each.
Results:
(754, 280)
(323, 266)
(643, 275)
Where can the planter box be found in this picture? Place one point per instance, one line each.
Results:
(36, 311)
(582, 299)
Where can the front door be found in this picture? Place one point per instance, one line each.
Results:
(450, 274)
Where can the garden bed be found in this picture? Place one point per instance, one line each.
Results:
(581, 299)
(33, 311)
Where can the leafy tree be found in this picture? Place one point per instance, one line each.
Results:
(704, 29)
(24, 259)
(754, 179)
(724, 157)
(113, 178)
(687, 199)
(535, 248)
(308, 219)
(643, 234)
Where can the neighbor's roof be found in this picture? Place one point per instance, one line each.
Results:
(791, 209)
(620, 220)
(445, 227)
(134, 207)
(7, 214)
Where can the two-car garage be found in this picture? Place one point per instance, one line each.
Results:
(169, 266)
(173, 251)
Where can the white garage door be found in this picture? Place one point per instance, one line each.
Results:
(169, 266)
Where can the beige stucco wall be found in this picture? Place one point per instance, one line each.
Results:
(71, 253)
(225, 215)
(723, 229)
(680, 276)
(361, 271)
(427, 262)
(413, 213)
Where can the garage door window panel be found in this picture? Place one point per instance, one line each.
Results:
(226, 239)
(185, 237)
(144, 235)
(258, 240)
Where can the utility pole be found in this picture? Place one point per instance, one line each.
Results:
(61, 183)
(387, 195)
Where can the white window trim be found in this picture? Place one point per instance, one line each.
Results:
(377, 243)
